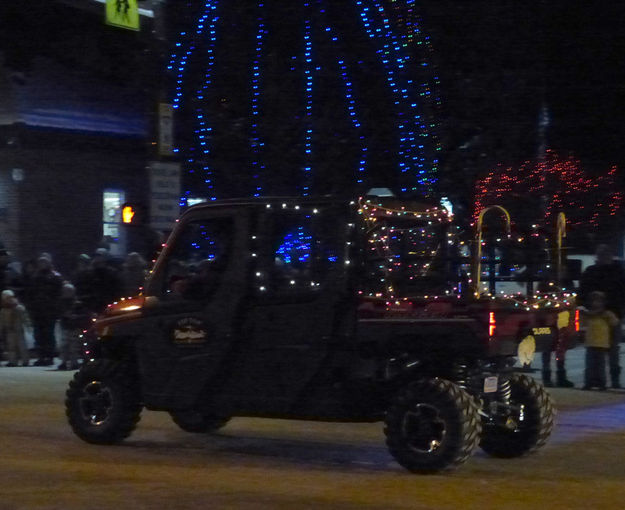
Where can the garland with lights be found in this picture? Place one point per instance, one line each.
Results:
(388, 224)
(387, 239)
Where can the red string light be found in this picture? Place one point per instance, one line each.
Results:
(563, 184)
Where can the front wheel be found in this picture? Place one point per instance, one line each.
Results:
(194, 421)
(102, 403)
(432, 425)
(527, 424)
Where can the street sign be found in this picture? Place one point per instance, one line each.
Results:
(122, 14)
(164, 195)
(165, 129)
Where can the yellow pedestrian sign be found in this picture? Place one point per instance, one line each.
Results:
(122, 14)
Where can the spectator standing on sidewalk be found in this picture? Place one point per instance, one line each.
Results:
(81, 277)
(105, 282)
(44, 308)
(74, 318)
(598, 324)
(13, 319)
(607, 275)
(133, 274)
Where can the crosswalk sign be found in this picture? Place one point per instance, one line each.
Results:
(122, 14)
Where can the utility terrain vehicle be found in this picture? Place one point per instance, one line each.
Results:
(317, 309)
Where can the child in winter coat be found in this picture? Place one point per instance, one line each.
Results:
(74, 318)
(13, 318)
(598, 324)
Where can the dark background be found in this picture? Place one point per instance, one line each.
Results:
(499, 62)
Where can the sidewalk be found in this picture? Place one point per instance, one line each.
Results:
(575, 360)
(574, 365)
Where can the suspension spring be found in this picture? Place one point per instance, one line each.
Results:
(504, 391)
(461, 375)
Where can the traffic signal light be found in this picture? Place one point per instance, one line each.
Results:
(132, 214)
(128, 213)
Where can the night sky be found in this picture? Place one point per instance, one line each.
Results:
(499, 61)
(509, 57)
(587, 81)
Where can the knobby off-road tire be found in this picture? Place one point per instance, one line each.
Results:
(532, 432)
(102, 402)
(195, 422)
(432, 425)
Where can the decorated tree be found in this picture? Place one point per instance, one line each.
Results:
(537, 191)
(310, 97)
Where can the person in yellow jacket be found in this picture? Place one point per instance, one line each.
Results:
(598, 324)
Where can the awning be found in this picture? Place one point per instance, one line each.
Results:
(50, 96)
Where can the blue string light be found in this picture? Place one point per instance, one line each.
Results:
(411, 26)
(308, 118)
(203, 130)
(295, 247)
(425, 177)
(409, 119)
(394, 40)
(350, 101)
(258, 168)
(185, 47)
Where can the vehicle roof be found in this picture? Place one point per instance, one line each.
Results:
(409, 204)
(246, 201)
(324, 199)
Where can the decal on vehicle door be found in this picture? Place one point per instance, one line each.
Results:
(526, 351)
(189, 331)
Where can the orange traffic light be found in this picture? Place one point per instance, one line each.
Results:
(128, 213)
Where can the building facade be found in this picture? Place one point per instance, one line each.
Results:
(75, 139)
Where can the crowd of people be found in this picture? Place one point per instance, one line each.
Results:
(601, 305)
(37, 299)
(602, 300)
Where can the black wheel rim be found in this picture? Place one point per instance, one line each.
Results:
(517, 423)
(423, 428)
(96, 403)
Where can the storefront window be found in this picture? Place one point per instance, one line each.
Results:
(112, 201)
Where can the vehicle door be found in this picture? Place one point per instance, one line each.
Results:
(298, 300)
(199, 285)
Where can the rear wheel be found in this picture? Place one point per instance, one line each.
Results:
(102, 403)
(193, 421)
(432, 425)
(527, 425)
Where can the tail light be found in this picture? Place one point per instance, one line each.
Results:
(576, 320)
(492, 324)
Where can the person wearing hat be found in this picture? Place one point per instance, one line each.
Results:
(74, 319)
(13, 318)
(81, 277)
(607, 275)
(105, 282)
(45, 308)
